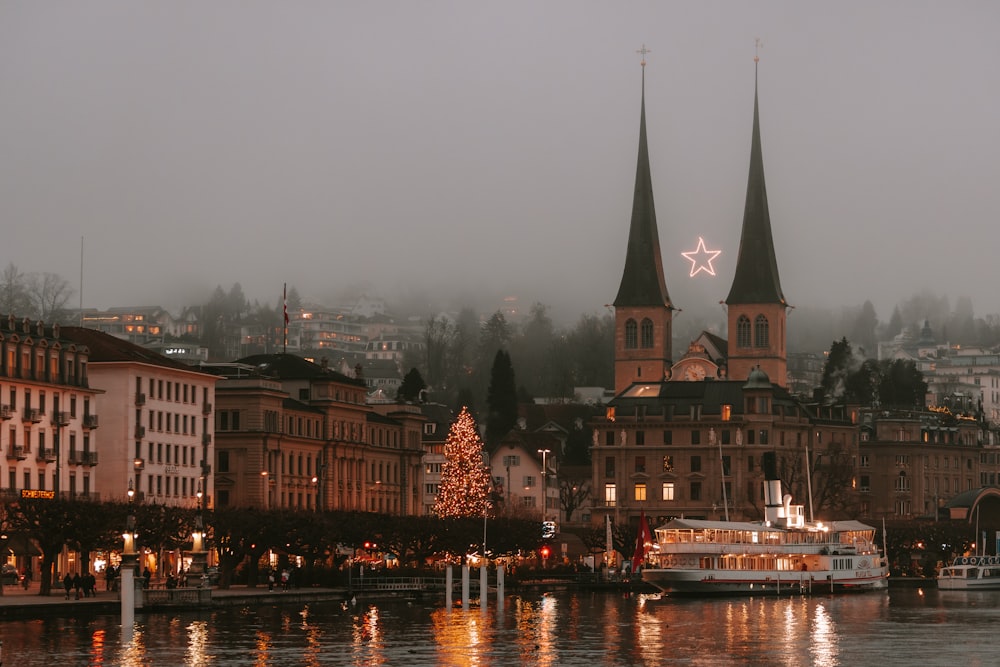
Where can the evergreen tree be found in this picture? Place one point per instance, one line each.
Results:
(840, 363)
(412, 385)
(501, 399)
(465, 480)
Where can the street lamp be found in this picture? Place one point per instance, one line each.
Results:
(198, 554)
(545, 490)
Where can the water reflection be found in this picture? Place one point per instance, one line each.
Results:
(197, 644)
(593, 629)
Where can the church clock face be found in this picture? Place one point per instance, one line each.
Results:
(694, 373)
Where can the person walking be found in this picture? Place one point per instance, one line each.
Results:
(68, 584)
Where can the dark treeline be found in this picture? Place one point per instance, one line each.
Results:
(324, 540)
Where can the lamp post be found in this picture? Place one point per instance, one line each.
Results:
(198, 554)
(545, 490)
(130, 561)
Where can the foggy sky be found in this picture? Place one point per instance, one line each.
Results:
(472, 148)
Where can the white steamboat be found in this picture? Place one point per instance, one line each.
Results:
(784, 554)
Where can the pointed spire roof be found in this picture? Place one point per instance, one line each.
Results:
(756, 279)
(642, 280)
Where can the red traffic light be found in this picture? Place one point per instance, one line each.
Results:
(544, 551)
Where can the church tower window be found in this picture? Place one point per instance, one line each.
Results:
(743, 331)
(647, 333)
(631, 335)
(760, 331)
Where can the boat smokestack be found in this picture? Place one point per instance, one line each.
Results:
(773, 502)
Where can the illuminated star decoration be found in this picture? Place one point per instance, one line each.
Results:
(701, 259)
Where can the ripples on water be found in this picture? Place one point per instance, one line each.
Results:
(908, 626)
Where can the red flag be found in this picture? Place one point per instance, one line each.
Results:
(643, 542)
(284, 301)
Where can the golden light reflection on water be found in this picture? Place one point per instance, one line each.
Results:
(367, 638)
(313, 639)
(459, 636)
(197, 644)
(134, 652)
(824, 648)
(262, 647)
(97, 646)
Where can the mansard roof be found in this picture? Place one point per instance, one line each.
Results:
(286, 366)
(107, 348)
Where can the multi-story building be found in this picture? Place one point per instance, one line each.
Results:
(294, 434)
(48, 412)
(157, 414)
(524, 467)
(911, 463)
(439, 419)
(685, 436)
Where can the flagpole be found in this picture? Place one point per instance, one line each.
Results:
(284, 306)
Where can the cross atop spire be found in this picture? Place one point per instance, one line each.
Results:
(643, 51)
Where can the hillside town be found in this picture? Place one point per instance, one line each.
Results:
(307, 412)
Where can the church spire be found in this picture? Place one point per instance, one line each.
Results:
(756, 307)
(642, 279)
(756, 280)
(643, 313)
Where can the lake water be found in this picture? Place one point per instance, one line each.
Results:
(906, 626)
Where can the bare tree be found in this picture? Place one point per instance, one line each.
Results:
(50, 293)
(15, 297)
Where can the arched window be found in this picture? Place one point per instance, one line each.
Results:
(647, 333)
(760, 331)
(743, 331)
(631, 335)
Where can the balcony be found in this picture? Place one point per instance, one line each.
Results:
(16, 452)
(33, 415)
(90, 458)
(47, 455)
(206, 439)
(6, 412)
(60, 419)
(140, 432)
(140, 398)
(139, 464)
(90, 421)
(74, 458)
(206, 409)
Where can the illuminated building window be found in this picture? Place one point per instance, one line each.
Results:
(668, 464)
(760, 332)
(668, 490)
(610, 495)
(727, 412)
(640, 491)
(647, 333)
(631, 335)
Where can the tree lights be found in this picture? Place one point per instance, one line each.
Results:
(465, 481)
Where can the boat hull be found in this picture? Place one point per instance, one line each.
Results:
(723, 582)
(969, 577)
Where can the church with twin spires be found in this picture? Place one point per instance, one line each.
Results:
(685, 435)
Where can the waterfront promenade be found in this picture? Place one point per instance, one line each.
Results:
(18, 603)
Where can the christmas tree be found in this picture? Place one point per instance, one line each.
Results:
(465, 480)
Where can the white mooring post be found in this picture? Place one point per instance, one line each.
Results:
(483, 589)
(500, 577)
(448, 581)
(127, 591)
(465, 585)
